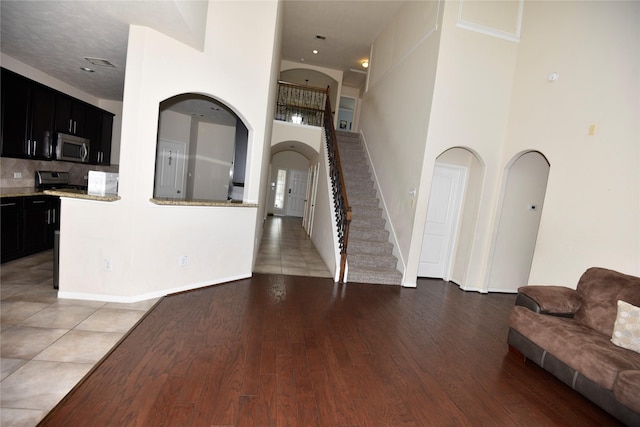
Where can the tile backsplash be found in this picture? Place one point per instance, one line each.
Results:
(28, 168)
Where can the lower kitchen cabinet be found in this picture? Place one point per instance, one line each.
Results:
(28, 225)
(11, 228)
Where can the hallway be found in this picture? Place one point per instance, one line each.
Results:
(286, 249)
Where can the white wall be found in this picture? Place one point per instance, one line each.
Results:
(144, 240)
(591, 215)
(492, 96)
(470, 109)
(395, 116)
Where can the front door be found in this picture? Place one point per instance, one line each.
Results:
(445, 201)
(296, 193)
(170, 163)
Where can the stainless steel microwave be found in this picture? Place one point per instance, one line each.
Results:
(72, 148)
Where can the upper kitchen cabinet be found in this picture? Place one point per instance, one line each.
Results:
(28, 112)
(32, 113)
(100, 153)
(77, 118)
(70, 115)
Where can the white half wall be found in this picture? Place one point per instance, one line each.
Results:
(145, 240)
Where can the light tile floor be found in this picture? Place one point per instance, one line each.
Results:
(47, 345)
(286, 249)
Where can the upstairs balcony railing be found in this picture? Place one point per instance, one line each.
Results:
(300, 104)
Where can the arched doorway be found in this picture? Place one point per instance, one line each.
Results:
(453, 204)
(520, 212)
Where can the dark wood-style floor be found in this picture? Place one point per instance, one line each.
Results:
(279, 350)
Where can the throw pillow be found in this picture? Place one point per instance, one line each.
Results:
(626, 330)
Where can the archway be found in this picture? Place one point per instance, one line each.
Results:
(201, 150)
(458, 247)
(521, 205)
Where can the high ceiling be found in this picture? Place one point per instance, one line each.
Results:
(55, 36)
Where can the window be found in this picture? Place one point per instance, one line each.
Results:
(280, 186)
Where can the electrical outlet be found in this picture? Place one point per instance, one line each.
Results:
(17, 175)
(107, 264)
(183, 261)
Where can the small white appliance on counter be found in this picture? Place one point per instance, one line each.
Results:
(102, 183)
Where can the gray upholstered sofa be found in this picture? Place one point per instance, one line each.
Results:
(569, 333)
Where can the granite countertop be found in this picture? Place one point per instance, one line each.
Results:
(81, 194)
(20, 192)
(223, 203)
(61, 192)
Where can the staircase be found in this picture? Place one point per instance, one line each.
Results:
(369, 253)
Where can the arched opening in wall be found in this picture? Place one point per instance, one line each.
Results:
(292, 180)
(452, 214)
(521, 203)
(201, 150)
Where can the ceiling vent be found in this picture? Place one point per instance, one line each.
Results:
(99, 62)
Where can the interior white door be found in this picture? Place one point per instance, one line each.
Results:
(296, 192)
(170, 163)
(445, 201)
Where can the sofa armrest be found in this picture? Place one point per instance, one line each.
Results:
(553, 300)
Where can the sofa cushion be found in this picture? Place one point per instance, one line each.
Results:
(577, 345)
(626, 329)
(601, 289)
(627, 389)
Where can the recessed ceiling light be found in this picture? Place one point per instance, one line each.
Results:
(87, 69)
(315, 51)
(99, 61)
(365, 64)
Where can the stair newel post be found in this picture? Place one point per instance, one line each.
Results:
(341, 203)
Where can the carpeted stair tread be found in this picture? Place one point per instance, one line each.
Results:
(368, 233)
(370, 247)
(357, 260)
(378, 276)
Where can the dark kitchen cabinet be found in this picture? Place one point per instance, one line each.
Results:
(100, 153)
(70, 115)
(37, 218)
(28, 225)
(11, 228)
(32, 113)
(28, 111)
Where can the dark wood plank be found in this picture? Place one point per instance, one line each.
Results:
(279, 350)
